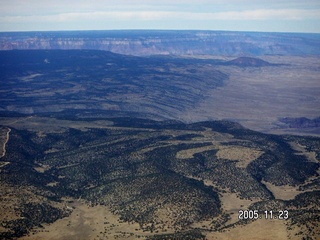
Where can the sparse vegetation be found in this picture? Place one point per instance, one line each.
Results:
(131, 167)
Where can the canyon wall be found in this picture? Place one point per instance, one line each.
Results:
(148, 42)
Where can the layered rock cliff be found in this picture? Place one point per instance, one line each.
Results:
(145, 42)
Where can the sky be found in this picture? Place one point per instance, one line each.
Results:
(230, 15)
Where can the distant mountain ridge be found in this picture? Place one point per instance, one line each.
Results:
(152, 42)
(301, 122)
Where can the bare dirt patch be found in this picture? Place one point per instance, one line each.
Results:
(4, 138)
(42, 168)
(30, 77)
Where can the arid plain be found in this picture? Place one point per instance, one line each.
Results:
(257, 97)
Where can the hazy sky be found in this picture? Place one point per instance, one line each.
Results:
(240, 15)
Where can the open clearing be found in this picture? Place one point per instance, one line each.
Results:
(259, 230)
(87, 223)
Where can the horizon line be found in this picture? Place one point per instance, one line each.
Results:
(156, 30)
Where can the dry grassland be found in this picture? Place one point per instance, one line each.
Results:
(242, 154)
(260, 229)
(284, 192)
(89, 223)
(231, 203)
